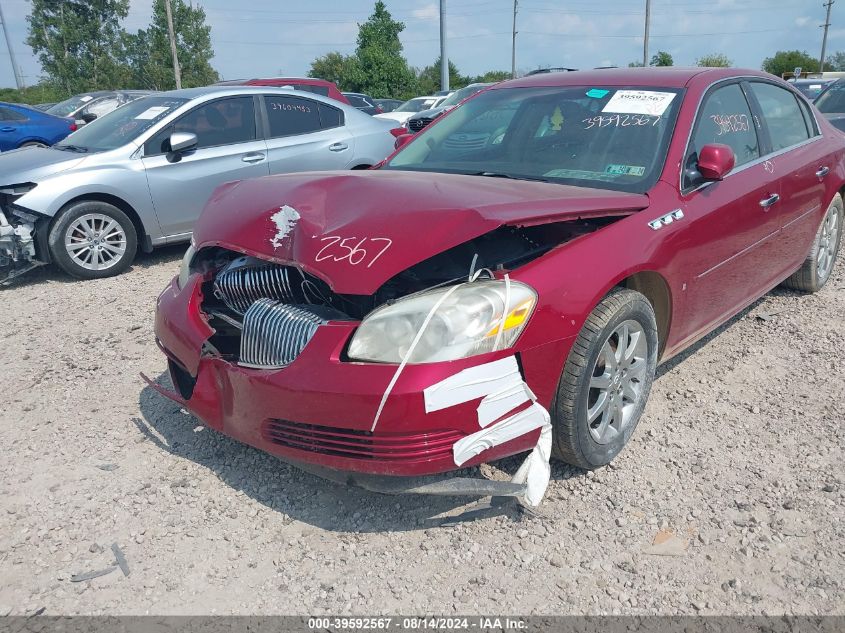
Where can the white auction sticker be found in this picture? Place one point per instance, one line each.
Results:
(639, 102)
(151, 113)
(86, 98)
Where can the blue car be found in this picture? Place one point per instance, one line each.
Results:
(22, 126)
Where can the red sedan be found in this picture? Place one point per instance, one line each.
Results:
(507, 281)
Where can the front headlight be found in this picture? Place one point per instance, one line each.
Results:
(466, 323)
(185, 268)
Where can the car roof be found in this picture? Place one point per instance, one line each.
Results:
(667, 77)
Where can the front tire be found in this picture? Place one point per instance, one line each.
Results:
(606, 380)
(816, 269)
(33, 144)
(93, 239)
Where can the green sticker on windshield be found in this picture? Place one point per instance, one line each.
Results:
(625, 170)
(597, 93)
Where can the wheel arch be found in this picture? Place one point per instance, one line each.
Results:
(655, 288)
(32, 139)
(144, 240)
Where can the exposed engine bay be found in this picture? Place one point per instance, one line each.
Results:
(17, 236)
(264, 313)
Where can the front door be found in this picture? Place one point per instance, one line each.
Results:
(731, 226)
(228, 148)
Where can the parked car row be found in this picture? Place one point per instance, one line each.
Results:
(139, 177)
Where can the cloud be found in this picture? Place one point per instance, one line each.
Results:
(428, 12)
(802, 21)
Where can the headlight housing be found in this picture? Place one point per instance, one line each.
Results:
(465, 324)
(185, 268)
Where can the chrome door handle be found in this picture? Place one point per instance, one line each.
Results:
(767, 202)
(338, 147)
(822, 172)
(255, 157)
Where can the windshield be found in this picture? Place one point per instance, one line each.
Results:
(832, 99)
(69, 106)
(810, 89)
(123, 125)
(459, 95)
(416, 105)
(609, 138)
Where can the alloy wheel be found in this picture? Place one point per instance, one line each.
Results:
(827, 243)
(95, 241)
(617, 382)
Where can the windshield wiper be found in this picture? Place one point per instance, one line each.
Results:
(496, 174)
(72, 148)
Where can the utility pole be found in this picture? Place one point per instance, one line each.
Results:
(177, 72)
(825, 26)
(18, 79)
(444, 58)
(645, 37)
(513, 42)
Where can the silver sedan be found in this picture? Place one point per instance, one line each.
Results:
(140, 176)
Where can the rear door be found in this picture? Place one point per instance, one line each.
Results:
(228, 148)
(796, 156)
(11, 131)
(305, 135)
(728, 245)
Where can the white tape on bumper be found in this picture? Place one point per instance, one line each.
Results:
(508, 429)
(501, 386)
(498, 404)
(472, 383)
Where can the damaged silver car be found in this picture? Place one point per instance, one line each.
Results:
(138, 177)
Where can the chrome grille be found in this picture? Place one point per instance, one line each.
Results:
(274, 334)
(242, 283)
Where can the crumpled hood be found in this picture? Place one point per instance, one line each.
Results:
(31, 164)
(357, 229)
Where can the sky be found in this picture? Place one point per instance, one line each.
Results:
(255, 38)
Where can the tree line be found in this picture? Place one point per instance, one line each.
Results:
(782, 62)
(82, 46)
(377, 67)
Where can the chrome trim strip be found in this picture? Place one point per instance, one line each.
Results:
(802, 216)
(735, 255)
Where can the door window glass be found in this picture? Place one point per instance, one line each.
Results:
(329, 116)
(7, 114)
(101, 107)
(292, 115)
(222, 122)
(725, 118)
(781, 114)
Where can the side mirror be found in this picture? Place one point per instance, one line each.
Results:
(180, 143)
(402, 140)
(88, 117)
(715, 161)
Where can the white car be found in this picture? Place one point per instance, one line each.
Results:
(410, 107)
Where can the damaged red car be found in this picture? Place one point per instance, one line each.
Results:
(507, 281)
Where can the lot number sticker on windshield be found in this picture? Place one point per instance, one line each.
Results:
(151, 113)
(639, 102)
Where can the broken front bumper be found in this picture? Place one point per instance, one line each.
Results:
(320, 409)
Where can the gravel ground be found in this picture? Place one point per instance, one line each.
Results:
(728, 500)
